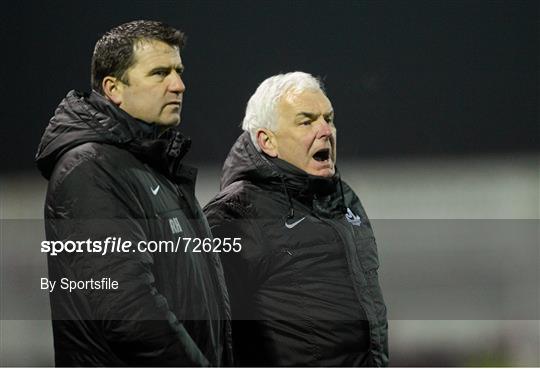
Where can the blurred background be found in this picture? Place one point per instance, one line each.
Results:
(437, 109)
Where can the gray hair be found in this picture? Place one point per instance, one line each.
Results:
(261, 107)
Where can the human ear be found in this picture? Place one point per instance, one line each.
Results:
(267, 142)
(112, 88)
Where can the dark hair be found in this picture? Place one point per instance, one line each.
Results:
(113, 53)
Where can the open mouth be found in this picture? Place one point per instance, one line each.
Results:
(322, 155)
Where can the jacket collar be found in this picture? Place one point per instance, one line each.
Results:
(121, 124)
(163, 149)
(303, 184)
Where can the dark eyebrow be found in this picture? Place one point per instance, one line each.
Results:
(179, 69)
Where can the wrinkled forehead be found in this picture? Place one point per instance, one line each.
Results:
(312, 100)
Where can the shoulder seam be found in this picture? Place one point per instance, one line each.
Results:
(75, 164)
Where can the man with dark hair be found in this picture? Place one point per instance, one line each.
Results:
(304, 288)
(113, 159)
(114, 52)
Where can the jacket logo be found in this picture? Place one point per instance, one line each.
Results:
(175, 225)
(155, 190)
(353, 218)
(292, 225)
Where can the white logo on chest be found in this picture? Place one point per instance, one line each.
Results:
(353, 218)
(292, 225)
(175, 225)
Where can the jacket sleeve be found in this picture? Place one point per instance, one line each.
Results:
(244, 272)
(136, 321)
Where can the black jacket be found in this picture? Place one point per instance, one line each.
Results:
(111, 175)
(304, 289)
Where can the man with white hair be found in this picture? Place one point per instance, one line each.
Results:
(304, 287)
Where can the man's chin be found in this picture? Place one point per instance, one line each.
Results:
(169, 123)
(322, 172)
(328, 173)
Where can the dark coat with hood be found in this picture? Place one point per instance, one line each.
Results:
(111, 175)
(304, 288)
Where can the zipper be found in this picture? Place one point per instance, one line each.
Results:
(355, 287)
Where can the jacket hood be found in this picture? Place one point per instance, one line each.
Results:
(245, 162)
(82, 118)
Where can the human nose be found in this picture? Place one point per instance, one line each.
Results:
(325, 129)
(176, 84)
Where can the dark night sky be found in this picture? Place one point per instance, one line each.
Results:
(406, 78)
